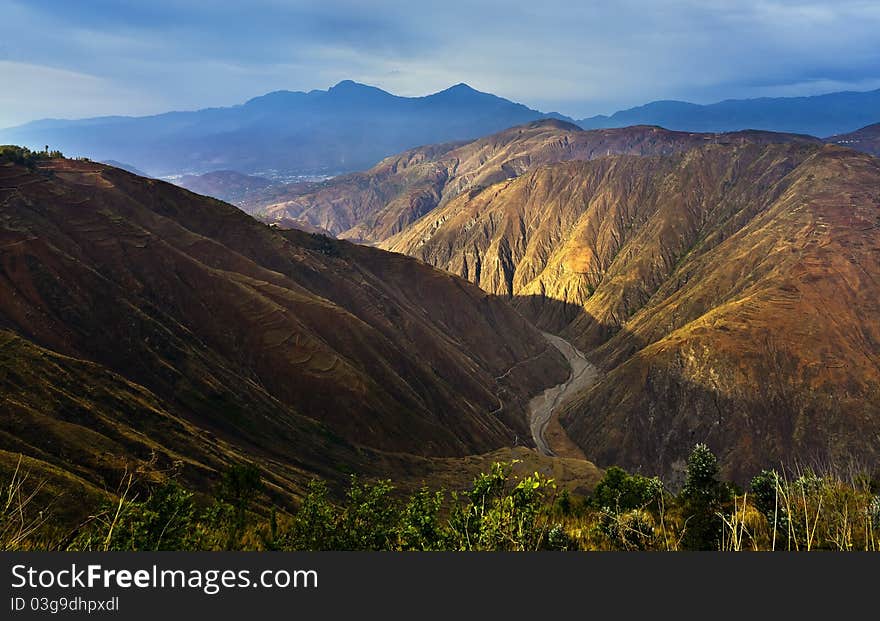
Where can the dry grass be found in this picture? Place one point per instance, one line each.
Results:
(810, 512)
(19, 523)
(799, 510)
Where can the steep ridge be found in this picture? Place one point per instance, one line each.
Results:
(139, 318)
(727, 292)
(384, 200)
(866, 139)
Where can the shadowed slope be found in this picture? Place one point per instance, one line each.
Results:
(207, 329)
(728, 292)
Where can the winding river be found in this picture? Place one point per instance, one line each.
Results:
(544, 406)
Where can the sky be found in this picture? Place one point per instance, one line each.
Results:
(66, 59)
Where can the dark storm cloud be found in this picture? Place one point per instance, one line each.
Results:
(60, 58)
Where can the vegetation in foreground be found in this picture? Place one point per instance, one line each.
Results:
(782, 510)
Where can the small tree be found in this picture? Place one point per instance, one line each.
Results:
(502, 512)
(765, 492)
(369, 517)
(240, 485)
(702, 499)
(620, 491)
(314, 525)
(622, 500)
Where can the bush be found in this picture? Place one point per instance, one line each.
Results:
(369, 518)
(313, 526)
(765, 494)
(559, 540)
(620, 491)
(239, 486)
(419, 527)
(163, 522)
(501, 512)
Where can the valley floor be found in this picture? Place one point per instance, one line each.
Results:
(548, 434)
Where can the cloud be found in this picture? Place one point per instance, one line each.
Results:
(35, 91)
(579, 58)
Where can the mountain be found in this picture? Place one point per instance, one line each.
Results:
(728, 293)
(351, 126)
(820, 115)
(866, 139)
(142, 323)
(373, 205)
(348, 127)
(226, 185)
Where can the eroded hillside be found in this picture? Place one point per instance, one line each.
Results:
(384, 200)
(138, 318)
(728, 292)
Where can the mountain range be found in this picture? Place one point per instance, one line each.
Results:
(690, 268)
(375, 204)
(721, 284)
(726, 291)
(141, 323)
(349, 127)
(818, 115)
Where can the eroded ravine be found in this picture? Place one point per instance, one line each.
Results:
(543, 407)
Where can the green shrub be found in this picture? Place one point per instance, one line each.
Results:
(241, 483)
(419, 526)
(313, 526)
(501, 512)
(702, 500)
(620, 491)
(369, 518)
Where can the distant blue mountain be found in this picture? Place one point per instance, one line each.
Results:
(348, 127)
(351, 126)
(820, 115)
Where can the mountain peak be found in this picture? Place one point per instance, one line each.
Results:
(552, 122)
(355, 91)
(350, 86)
(459, 90)
(347, 84)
